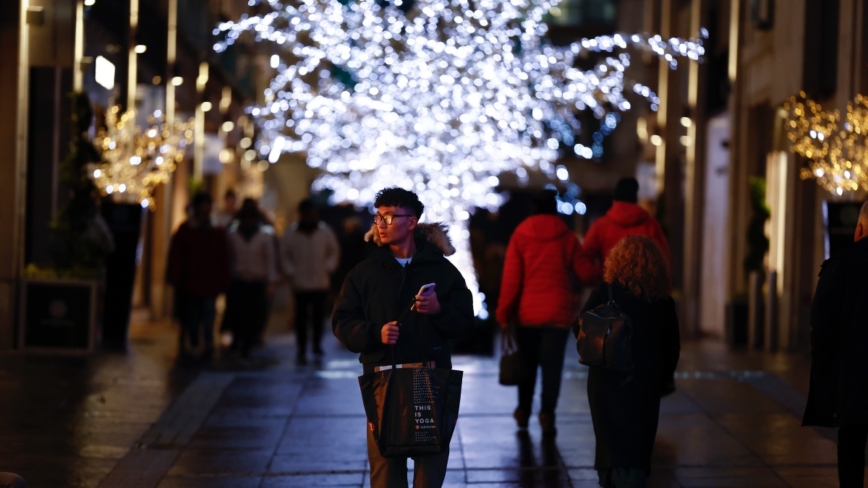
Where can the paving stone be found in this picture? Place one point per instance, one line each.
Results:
(217, 462)
(306, 480)
(144, 421)
(809, 476)
(754, 477)
(210, 482)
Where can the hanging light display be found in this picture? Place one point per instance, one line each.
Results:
(137, 160)
(437, 96)
(836, 155)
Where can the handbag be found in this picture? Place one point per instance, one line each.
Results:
(511, 371)
(411, 411)
(605, 338)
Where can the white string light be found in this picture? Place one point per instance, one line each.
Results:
(440, 98)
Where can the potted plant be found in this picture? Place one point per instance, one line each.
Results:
(59, 304)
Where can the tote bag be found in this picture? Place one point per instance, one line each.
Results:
(412, 411)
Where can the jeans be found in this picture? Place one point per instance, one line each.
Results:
(541, 346)
(428, 471)
(11, 480)
(851, 455)
(198, 312)
(315, 301)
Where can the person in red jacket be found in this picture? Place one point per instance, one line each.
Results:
(198, 268)
(537, 294)
(625, 218)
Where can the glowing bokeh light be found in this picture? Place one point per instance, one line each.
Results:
(437, 96)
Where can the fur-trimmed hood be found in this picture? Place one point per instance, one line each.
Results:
(435, 233)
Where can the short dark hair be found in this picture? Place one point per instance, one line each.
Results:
(399, 197)
(306, 205)
(627, 190)
(249, 209)
(201, 197)
(545, 203)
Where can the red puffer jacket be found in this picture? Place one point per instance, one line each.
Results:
(622, 220)
(536, 287)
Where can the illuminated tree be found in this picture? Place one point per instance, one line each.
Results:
(438, 96)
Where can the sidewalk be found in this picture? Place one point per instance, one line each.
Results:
(141, 421)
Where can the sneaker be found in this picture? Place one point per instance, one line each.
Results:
(521, 417)
(547, 424)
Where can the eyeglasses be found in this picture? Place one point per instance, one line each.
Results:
(388, 218)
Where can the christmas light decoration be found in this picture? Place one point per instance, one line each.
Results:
(437, 96)
(836, 157)
(135, 161)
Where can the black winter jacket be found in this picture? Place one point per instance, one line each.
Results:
(839, 338)
(379, 290)
(625, 414)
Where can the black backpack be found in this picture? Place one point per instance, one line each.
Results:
(605, 337)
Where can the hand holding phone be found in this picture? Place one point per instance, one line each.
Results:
(426, 300)
(426, 289)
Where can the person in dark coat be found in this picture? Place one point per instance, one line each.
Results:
(198, 268)
(379, 292)
(838, 395)
(625, 406)
(538, 296)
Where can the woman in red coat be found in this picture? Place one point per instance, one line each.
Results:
(537, 294)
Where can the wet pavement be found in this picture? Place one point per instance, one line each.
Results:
(144, 420)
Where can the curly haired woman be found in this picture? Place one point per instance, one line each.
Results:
(625, 406)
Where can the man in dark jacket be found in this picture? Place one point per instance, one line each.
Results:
(625, 218)
(373, 315)
(838, 395)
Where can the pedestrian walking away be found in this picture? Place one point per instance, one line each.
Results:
(198, 268)
(838, 394)
(538, 295)
(377, 291)
(625, 406)
(351, 253)
(310, 254)
(625, 218)
(254, 274)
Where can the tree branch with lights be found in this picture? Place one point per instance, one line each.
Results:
(437, 96)
(136, 160)
(836, 154)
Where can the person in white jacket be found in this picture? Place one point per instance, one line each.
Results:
(310, 254)
(254, 274)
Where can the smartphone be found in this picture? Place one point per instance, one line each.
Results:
(426, 289)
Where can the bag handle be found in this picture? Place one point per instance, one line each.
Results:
(507, 340)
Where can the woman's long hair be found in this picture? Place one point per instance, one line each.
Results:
(638, 263)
